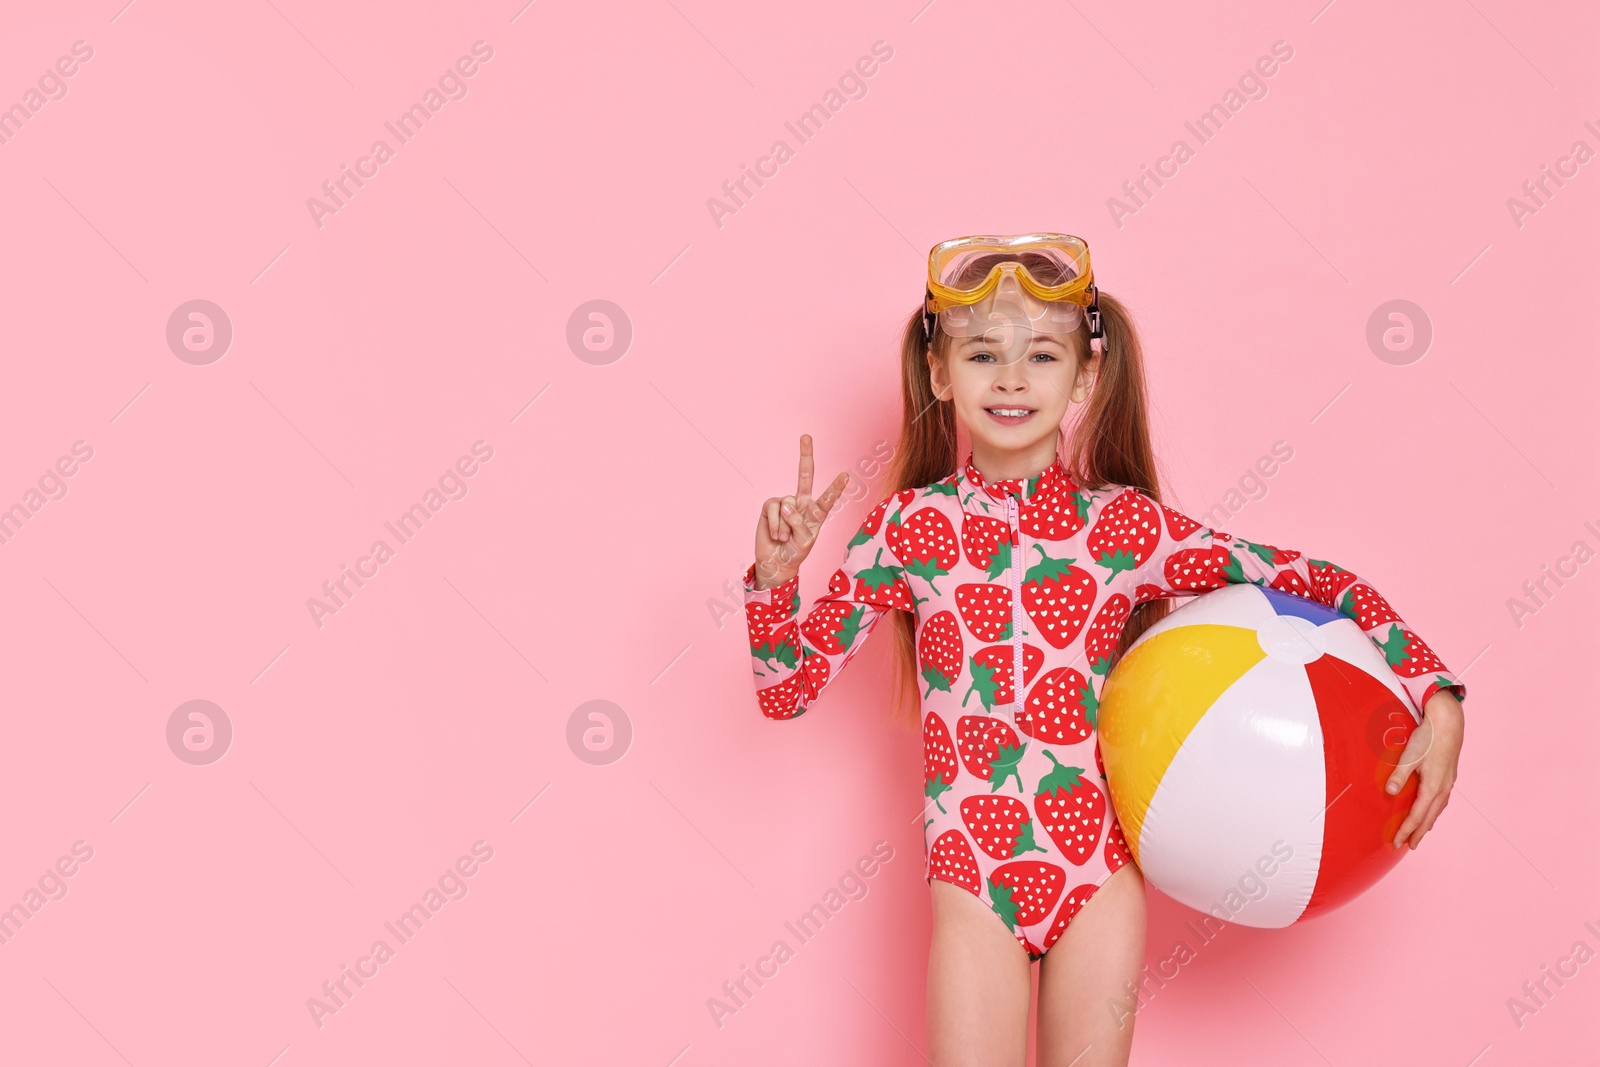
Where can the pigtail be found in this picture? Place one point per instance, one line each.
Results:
(1110, 442)
(926, 452)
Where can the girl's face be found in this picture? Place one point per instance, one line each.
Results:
(1011, 387)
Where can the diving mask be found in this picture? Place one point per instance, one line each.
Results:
(1041, 281)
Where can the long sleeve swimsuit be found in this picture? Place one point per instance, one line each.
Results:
(1031, 578)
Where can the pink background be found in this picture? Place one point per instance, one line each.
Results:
(590, 557)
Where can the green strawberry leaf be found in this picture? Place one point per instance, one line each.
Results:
(1235, 573)
(1060, 780)
(879, 575)
(1117, 562)
(1091, 703)
(936, 679)
(927, 570)
(1048, 569)
(1000, 562)
(1394, 646)
(1000, 900)
(1006, 762)
(933, 790)
(983, 683)
(1025, 841)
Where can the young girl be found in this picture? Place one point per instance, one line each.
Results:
(1040, 554)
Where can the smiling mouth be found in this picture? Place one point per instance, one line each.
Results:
(1010, 413)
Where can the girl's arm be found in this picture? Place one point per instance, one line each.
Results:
(794, 659)
(1187, 557)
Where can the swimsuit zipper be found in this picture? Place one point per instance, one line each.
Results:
(1016, 605)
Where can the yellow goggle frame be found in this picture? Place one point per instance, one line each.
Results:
(946, 259)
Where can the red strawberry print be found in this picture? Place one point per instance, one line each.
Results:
(884, 584)
(951, 860)
(833, 626)
(1061, 709)
(1367, 606)
(1071, 904)
(1328, 580)
(926, 543)
(986, 609)
(780, 649)
(1023, 891)
(1117, 852)
(1000, 826)
(780, 701)
(1407, 654)
(989, 750)
(1100, 642)
(1057, 519)
(1272, 557)
(987, 543)
(1179, 527)
(1290, 582)
(938, 758)
(1057, 597)
(992, 670)
(1072, 809)
(1125, 534)
(1197, 569)
(869, 528)
(940, 652)
(759, 619)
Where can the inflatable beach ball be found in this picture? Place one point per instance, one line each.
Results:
(1247, 738)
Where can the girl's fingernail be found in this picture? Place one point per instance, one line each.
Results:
(786, 509)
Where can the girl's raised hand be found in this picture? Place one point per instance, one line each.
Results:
(789, 525)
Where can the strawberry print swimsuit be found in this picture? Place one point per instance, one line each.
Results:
(1033, 579)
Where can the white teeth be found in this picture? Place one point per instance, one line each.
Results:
(1011, 411)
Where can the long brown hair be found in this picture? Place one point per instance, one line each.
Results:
(1109, 443)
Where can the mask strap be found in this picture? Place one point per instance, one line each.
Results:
(1097, 332)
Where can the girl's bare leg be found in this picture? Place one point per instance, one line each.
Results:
(979, 984)
(1085, 1006)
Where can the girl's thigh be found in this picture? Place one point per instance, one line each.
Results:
(1088, 980)
(979, 984)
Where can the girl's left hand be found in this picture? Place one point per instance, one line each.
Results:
(1431, 752)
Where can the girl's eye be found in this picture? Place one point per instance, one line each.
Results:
(977, 356)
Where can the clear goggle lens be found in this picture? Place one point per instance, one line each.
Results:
(1010, 305)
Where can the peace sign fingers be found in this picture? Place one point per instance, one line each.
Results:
(812, 512)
